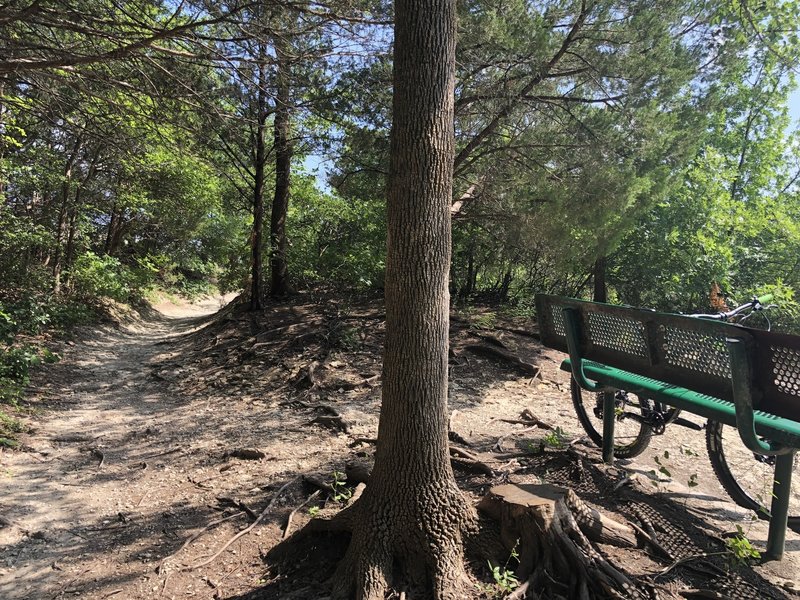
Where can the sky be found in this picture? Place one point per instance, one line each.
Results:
(794, 108)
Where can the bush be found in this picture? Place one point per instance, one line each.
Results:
(95, 275)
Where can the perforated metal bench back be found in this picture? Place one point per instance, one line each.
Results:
(679, 350)
(777, 372)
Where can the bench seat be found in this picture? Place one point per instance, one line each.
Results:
(777, 429)
(746, 378)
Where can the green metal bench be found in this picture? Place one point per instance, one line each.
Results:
(745, 378)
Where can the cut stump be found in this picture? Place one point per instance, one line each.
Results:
(554, 533)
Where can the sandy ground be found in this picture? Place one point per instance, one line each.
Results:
(134, 441)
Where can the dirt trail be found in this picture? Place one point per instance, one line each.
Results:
(131, 452)
(89, 463)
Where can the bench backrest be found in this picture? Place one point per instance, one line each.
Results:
(679, 350)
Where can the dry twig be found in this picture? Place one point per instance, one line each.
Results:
(243, 532)
(164, 560)
(294, 512)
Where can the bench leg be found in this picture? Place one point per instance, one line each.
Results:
(781, 489)
(609, 418)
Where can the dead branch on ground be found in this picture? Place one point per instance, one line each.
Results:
(243, 532)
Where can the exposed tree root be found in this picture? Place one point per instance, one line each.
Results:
(389, 550)
(554, 532)
(243, 531)
(497, 352)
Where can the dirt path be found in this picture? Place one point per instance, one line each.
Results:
(95, 463)
(132, 451)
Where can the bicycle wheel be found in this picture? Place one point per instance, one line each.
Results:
(747, 477)
(631, 435)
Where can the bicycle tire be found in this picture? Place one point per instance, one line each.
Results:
(631, 443)
(746, 477)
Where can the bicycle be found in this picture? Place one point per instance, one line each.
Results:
(744, 475)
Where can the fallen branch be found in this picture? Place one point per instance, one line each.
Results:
(247, 454)
(498, 353)
(164, 560)
(243, 532)
(236, 503)
(146, 494)
(468, 460)
(498, 446)
(294, 512)
(685, 559)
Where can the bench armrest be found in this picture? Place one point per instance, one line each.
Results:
(572, 326)
(741, 377)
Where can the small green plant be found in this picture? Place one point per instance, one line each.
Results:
(341, 493)
(9, 427)
(555, 438)
(484, 321)
(740, 550)
(662, 465)
(313, 511)
(505, 580)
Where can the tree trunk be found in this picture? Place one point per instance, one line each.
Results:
(412, 516)
(472, 275)
(258, 186)
(599, 271)
(69, 256)
(555, 534)
(63, 211)
(283, 159)
(4, 115)
(113, 226)
(505, 285)
(69, 252)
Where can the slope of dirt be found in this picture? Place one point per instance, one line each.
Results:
(157, 441)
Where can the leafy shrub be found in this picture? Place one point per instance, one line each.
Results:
(95, 275)
(9, 427)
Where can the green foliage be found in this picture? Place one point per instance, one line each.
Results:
(15, 365)
(106, 276)
(9, 428)
(335, 240)
(341, 492)
(505, 579)
(662, 464)
(740, 549)
(555, 438)
(20, 240)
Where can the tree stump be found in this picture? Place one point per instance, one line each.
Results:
(553, 531)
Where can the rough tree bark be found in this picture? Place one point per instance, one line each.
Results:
(63, 214)
(256, 275)
(599, 277)
(410, 520)
(283, 159)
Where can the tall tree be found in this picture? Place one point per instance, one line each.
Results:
(412, 513)
(279, 271)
